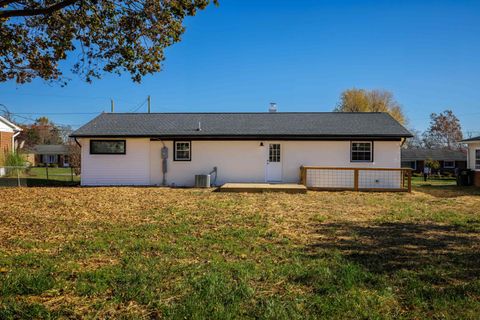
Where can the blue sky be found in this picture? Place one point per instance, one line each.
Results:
(301, 54)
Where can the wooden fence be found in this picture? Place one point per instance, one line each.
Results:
(356, 179)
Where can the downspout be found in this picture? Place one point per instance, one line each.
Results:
(76, 141)
(13, 140)
(164, 163)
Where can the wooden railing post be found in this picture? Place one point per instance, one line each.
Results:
(355, 179)
(409, 175)
(303, 176)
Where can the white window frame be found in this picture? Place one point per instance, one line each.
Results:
(448, 167)
(476, 162)
(50, 158)
(371, 151)
(175, 156)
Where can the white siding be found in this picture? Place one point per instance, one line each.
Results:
(131, 168)
(4, 127)
(245, 161)
(386, 154)
(471, 155)
(237, 161)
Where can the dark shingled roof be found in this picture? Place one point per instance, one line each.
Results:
(471, 139)
(244, 125)
(433, 154)
(49, 149)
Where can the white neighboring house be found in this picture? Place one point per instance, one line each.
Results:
(128, 148)
(473, 157)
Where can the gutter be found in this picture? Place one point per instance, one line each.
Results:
(13, 139)
(248, 137)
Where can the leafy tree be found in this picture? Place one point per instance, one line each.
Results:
(74, 156)
(43, 131)
(360, 100)
(432, 164)
(104, 36)
(445, 131)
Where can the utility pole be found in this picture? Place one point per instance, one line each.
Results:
(112, 105)
(148, 104)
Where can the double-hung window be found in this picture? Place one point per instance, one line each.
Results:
(183, 151)
(477, 159)
(361, 151)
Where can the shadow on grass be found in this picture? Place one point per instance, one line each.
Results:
(34, 182)
(447, 191)
(390, 247)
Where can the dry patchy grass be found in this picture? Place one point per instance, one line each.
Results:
(187, 253)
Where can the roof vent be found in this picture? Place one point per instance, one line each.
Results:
(273, 107)
(199, 126)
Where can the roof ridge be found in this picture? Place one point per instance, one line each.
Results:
(247, 112)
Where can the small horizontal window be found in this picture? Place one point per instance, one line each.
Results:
(361, 151)
(449, 164)
(182, 151)
(107, 147)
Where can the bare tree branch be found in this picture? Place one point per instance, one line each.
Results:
(36, 12)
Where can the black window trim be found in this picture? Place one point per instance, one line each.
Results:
(362, 141)
(109, 140)
(175, 150)
(475, 165)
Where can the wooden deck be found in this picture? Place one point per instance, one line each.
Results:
(263, 187)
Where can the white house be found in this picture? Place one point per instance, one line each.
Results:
(171, 148)
(473, 157)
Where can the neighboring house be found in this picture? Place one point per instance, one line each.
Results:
(474, 157)
(448, 159)
(8, 132)
(50, 154)
(171, 148)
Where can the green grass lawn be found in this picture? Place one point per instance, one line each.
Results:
(418, 181)
(37, 176)
(195, 254)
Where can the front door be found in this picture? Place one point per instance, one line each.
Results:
(274, 162)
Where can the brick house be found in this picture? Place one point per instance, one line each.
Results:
(8, 132)
(449, 160)
(50, 154)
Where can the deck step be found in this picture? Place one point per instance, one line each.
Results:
(263, 187)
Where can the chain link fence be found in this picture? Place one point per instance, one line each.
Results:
(26, 176)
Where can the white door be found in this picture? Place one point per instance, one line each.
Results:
(274, 162)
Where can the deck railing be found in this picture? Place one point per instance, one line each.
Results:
(356, 179)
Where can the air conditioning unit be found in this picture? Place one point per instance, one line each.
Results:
(202, 181)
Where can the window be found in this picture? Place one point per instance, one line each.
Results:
(448, 164)
(182, 151)
(50, 158)
(107, 147)
(361, 151)
(409, 164)
(274, 152)
(477, 159)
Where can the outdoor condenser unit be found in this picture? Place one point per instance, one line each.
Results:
(202, 181)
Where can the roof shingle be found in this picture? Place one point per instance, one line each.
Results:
(433, 154)
(278, 124)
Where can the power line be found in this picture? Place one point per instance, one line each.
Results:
(141, 105)
(56, 113)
